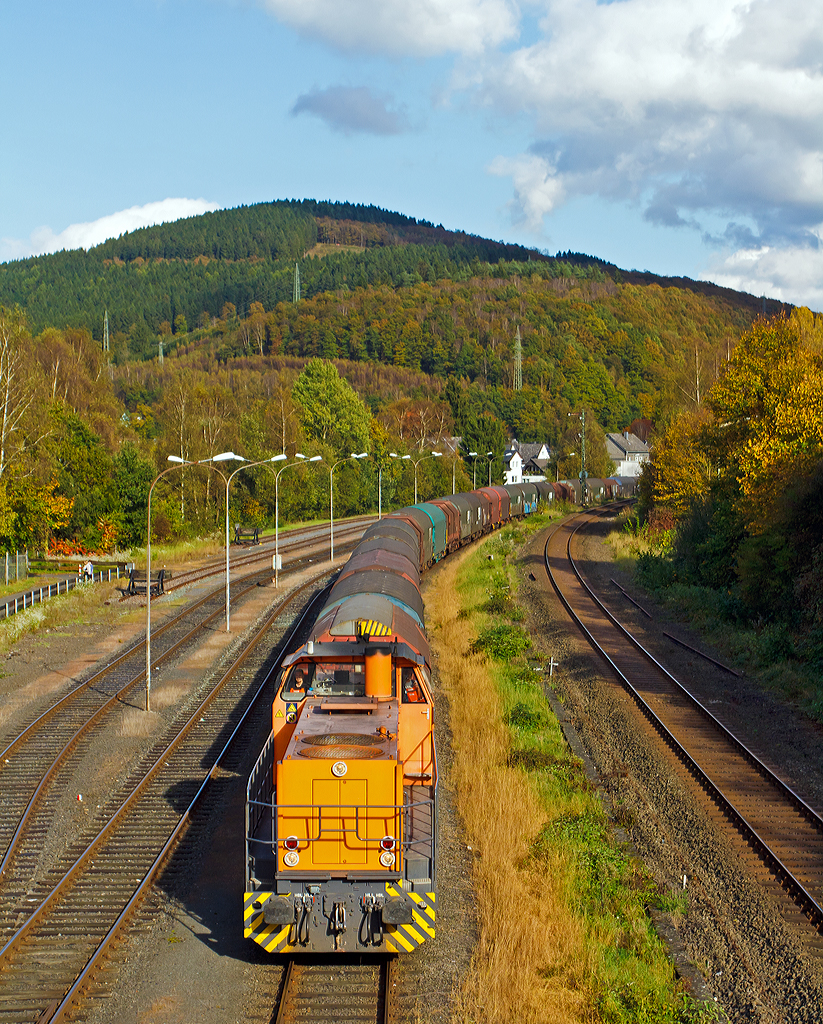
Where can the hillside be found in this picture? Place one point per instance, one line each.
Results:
(420, 322)
(193, 267)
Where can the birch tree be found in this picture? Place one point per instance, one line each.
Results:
(16, 386)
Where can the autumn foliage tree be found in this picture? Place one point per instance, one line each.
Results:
(747, 481)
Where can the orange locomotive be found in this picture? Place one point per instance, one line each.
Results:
(341, 809)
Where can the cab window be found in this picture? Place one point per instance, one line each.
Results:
(412, 691)
(346, 679)
(298, 682)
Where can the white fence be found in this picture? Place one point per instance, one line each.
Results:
(38, 595)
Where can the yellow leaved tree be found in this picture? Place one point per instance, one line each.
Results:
(768, 407)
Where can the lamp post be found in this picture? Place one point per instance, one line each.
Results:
(474, 470)
(416, 463)
(223, 457)
(247, 465)
(490, 457)
(290, 465)
(431, 455)
(362, 455)
(394, 455)
(583, 474)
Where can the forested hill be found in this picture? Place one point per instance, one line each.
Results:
(196, 265)
(185, 273)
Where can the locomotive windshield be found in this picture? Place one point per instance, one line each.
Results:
(325, 679)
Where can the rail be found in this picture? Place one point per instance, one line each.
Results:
(57, 1010)
(799, 892)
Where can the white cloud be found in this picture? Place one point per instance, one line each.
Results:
(420, 28)
(789, 273)
(709, 108)
(537, 188)
(353, 109)
(84, 236)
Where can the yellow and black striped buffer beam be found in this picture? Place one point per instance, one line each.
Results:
(371, 627)
(405, 938)
(274, 938)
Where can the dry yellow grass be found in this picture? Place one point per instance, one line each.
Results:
(165, 694)
(135, 722)
(530, 965)
(79, 605)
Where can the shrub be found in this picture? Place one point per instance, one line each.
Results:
(527, 716)
(503, 642)
(654, 572)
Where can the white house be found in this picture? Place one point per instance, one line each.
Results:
(627, 452)
(512, 467)
(525, 463)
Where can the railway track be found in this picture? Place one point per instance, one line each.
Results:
(76, 913)
(290, 543)
(325, 989)
(782, 836)
(31, 761)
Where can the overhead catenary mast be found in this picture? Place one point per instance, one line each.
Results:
(518, 362)
(296, 297)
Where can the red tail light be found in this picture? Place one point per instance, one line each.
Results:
(291, 843)
(387, 843)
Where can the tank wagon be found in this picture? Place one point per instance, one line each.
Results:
(341, 808)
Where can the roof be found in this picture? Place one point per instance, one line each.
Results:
(531, 450)
(619, 446)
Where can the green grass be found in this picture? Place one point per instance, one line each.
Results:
(786, 662)
(608, 890)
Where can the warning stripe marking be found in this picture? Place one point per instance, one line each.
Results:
(281, 936)
(413, 933)
(398, 936)
(424, 925)
(369, 627)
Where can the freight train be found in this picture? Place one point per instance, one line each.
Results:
(341, 807)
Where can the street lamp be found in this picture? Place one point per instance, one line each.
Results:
(416, 463)
(583, 474)
(222, 457)
(362, 455)
(248, 465)
(290, 465)
(474, 470)
(490, 457)
(431, 455)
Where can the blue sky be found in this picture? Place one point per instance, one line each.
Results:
(682, 138)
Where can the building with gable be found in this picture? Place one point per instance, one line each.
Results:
(627, 452)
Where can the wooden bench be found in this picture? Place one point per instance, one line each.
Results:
(137, 582)
(244, 535)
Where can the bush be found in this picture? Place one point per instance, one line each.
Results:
(654, 572)
(527, 716)
(503, 642)
(773, 643)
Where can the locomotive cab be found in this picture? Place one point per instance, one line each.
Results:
(341, 804)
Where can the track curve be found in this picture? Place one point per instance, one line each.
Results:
(785, 831)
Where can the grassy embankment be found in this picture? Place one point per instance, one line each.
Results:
(762, 650)
(92, 603)
(564, 933)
